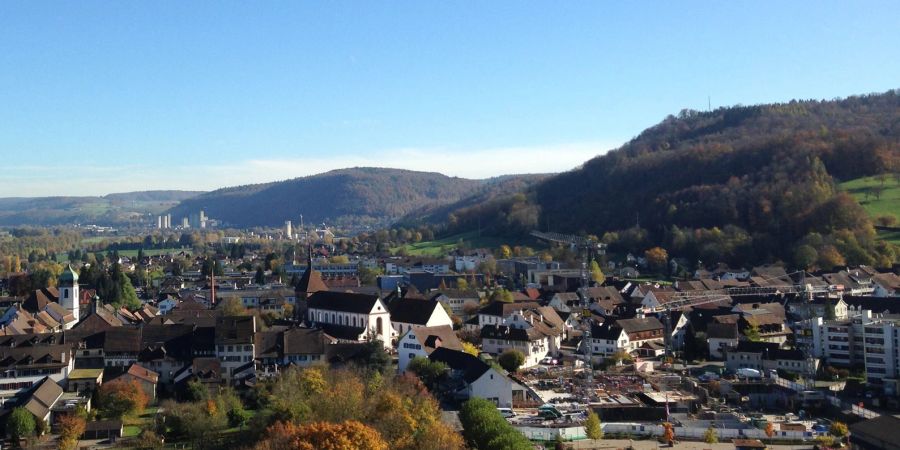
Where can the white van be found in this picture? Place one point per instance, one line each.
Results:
(506, 412)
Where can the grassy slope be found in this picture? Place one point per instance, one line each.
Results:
(441, 247)
(887, 204)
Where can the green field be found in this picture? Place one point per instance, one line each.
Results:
(863, 190)
(440, 247)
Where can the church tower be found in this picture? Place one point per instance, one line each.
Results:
(68, 291)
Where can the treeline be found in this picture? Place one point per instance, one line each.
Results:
(743, 185)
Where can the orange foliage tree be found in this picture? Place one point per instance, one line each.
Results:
(348, 435)
(119, 397)
(70, 427)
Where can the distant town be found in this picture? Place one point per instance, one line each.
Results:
(565, 340)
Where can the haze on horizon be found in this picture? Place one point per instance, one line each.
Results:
(103, 96)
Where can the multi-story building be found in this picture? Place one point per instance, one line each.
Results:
(872, 340)
(26, 360)
(235, 343)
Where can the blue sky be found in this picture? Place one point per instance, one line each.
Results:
(99, 97)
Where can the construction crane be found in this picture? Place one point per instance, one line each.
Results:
(682, 300)
(588, 248)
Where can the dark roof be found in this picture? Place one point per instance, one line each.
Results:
(304, 341)
(343, 301)
(470, 366)
(874, 304)
(344, 332)
(235, 329)
(637, 325)
(722, 331)
(414, 311)
(504, 332)
(877, 431)
(768, 350)
(122, 339)
(606, 330)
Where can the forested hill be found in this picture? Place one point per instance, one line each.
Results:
(350, 198)
(740, 184)
(114, 209)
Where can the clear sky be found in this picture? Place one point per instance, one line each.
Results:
(99, 97)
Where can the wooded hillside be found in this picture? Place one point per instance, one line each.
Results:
(743, 184)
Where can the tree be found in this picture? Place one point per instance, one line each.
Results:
(462, 284)
(233, 307)
(485, 428)
(668, 433)
(348, 435)
(752, 333)
(711, 436)
(71, 427)
(830, 257)
(597, 274)
(770, 429)
(260, 277)
(657, 258)
(511, 360)
(430, 372)
(592, 426)
(470, 348)
(805, 257)
(501, 295)
(118, 398)
(838, 430)
(505, 252)
(20, 424)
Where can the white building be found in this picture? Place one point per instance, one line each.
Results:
(866, 338)
(409, 313)
(477, 378)
(420, 342)
(350, 317)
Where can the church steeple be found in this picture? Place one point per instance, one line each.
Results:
(68, 291)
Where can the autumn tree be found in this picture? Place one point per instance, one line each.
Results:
(657, 258)
(770, 429)
(470, 348)
(349, 435)
(71, 427)
(233, 306)
(838, 430)
(596, 274)
(711, 436)
(830, 257)
(511, 360)
(668, 436)
(118, 398)
(592, 426)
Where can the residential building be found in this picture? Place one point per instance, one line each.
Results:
(408, 313)
(476, 379)
(234, 341)
(421, 342)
